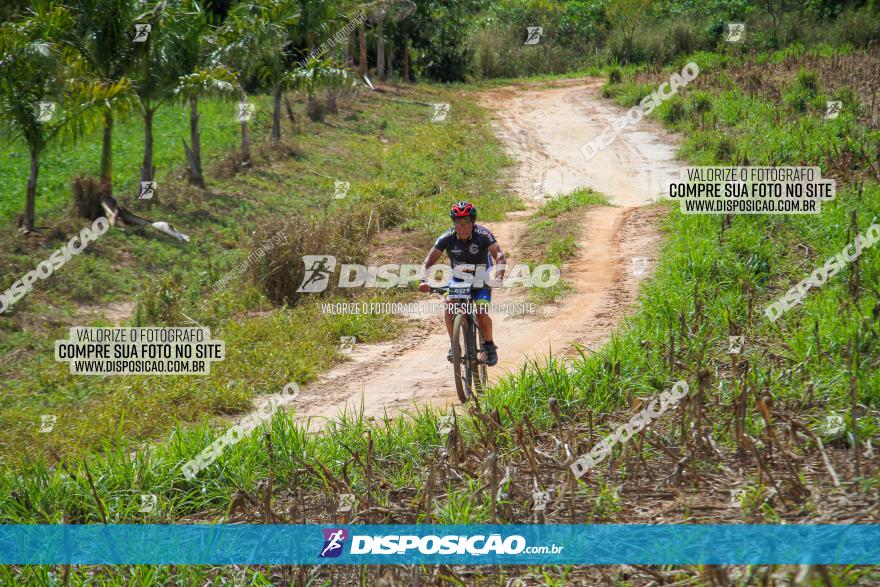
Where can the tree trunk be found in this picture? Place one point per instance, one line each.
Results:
(148, 170)
(389, 60)
(380, 50)
(332, 106)
(30, 204)
(196, 177)
(362, 45)
(349, 51)
(276, 114)
(107, 152)
(406, 57)
(245, 145)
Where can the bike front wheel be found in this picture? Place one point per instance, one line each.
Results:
(461, 361)
(481, 375)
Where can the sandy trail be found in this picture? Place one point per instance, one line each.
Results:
(544, 127)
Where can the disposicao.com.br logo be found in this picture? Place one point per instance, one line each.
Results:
(476, 545)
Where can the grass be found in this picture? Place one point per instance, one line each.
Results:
(712, 280)
(61, 161)
(402, 168)
(552, 234)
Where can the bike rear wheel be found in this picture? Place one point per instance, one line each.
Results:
(461, 361)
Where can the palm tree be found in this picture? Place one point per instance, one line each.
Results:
(156, 70)
(102, 35)
(215, 79)
(316, 74)
(202, 76)
(254, 41)
(33, 69)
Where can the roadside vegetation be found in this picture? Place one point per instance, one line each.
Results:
(782, 430)
(552, 237)
(145, 280)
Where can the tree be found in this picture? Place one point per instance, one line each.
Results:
(316, 74)
(157, 69)
(33, 69)
(396, 10)
(254, 41)
(102, 35)
(439, 33)
(202, 76)
(625, 16)
(208, 80)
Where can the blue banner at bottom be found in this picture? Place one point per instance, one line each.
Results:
(440, 544)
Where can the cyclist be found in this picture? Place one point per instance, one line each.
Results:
(474, 246)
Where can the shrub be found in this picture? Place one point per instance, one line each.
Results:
(700, 102)
(614, 75)
(279, 272)
(673, 110)
(87, 194)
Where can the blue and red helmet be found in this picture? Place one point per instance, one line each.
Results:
(463, 209)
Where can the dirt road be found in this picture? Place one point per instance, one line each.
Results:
(544, 128)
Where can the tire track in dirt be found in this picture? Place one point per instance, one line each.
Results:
(543, 127)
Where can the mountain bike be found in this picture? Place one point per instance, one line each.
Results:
(467, 340)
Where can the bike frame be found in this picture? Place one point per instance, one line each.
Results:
(474, 367)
